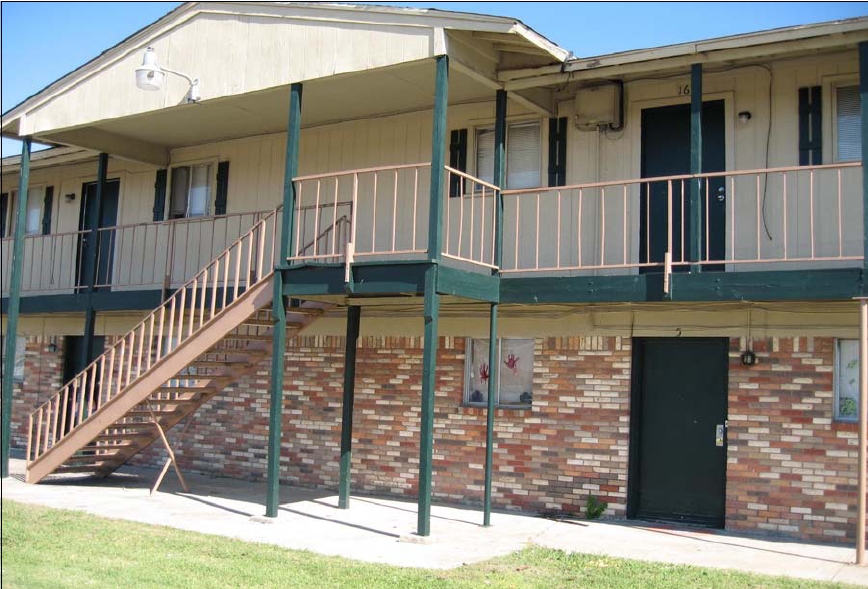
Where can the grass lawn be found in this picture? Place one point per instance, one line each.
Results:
(50, 548)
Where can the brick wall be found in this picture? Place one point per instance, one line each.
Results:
(572, 444)
(791, 468)
(43, 371)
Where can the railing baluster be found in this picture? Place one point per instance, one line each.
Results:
(298, 223)
(28, 456)
(47, 427)
(840, 224)
(394, 209)
(55, 420)
(120, 377)
(194, 304)
(228, 260)
(79, 395)
(732, 219)
(316, 214)
(786, 210)
(214, 288)
(707, 225)
(130, 358)
(536, 259)
(160, 324)
(259, 258)
(237, 277)
(64, 394)
(204, 292)
(668, 215)
(758, 219)
(38, 433)
(248, 270)
(558, 234)
(517, 216)
(683, 223)
(102, 379)
(84, 391)
(648, 217)
(579, 231)
(624, 229)
(603, 228)
(811, 193)
(92, 384)
(415, 198)
(170, 344)
(334, 250)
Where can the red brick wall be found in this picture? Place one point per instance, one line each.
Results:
(43, 371)
(791, 467)
(572, 444)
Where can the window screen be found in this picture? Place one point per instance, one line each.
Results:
(522, 155)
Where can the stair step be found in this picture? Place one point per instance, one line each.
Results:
(218, 364)
(79, 469)
(249, 337)
(88, 458)
(314, 311)
(111, 446)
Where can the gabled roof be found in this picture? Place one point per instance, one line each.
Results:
(517, 34)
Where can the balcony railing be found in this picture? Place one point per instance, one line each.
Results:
(797, 217)
(129, 257)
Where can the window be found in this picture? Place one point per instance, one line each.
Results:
(516, 372)
(20, 349)
(33, 216)
(848, 124)
(191, 191)
(522, 155)
(847, 380)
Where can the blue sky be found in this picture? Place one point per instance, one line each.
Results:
(42, 41)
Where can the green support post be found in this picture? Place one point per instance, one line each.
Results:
(493, 360)
(354, 314)
(278, 351)
(694, 220)
(91, 261)
(863, 95)
(14, 303)
(432, 298)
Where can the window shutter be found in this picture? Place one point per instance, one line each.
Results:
(47, 205)
(523, 155)
(457, 158)
(557, 151)
(160, 195)
(849, 124)
(4, 212)
(810, 133)
(222, 188)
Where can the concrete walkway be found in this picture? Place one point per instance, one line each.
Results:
(381, 530)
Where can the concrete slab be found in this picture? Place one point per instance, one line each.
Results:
(373, 528)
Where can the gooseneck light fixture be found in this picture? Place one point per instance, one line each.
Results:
(150, 76)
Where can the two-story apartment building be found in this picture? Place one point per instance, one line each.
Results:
(301, 258)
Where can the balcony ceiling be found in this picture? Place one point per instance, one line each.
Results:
(403, 88)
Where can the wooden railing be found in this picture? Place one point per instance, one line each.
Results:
(132, 256)
(797, 217)
(244, 263)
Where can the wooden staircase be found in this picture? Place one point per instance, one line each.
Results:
(211, 332)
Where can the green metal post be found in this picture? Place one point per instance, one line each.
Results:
(93, 212)
(278, 350)
(493, 359)
(432, 298)
(863, 95)
(426, 429)
(354, 314)
(694, 221)
(14, 303)
(438, 158)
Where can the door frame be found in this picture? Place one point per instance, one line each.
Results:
(636, 371)
(634, 139)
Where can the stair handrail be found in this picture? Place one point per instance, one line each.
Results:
(56, 411)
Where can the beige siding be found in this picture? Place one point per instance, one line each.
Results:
(231, 55)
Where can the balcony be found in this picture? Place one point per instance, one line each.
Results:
(755, 221)
(142, 256)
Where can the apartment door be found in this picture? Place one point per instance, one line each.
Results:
(107, 217)
(678, 439)
(666, 152)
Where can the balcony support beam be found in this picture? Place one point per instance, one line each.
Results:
(432, 297)
(694, 221)
(354, 314)
(493, 359)
(278, 351)
(90, 256)
(14, 304)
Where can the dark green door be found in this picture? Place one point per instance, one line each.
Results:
(107, 217)
(666, 152)
(678, 458)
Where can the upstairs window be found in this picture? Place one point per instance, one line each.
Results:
(191, 191)
(848, 124)
(523, 155)
(33, 216)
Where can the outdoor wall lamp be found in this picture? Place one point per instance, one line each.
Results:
(150, 76)
(744, 116)
(69, 197)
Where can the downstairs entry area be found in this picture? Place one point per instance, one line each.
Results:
(678, 434)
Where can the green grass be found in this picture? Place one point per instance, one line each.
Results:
(50, 548)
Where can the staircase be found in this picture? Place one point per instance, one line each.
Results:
(211, 332)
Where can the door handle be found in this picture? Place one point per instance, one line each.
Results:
(721, 194)
(718, 435)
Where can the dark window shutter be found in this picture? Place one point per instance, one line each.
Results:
(4, 212)
(557, 151)
(457, 158)
(160, 195)
(810, 132)
(47, 206)
(222, 188)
